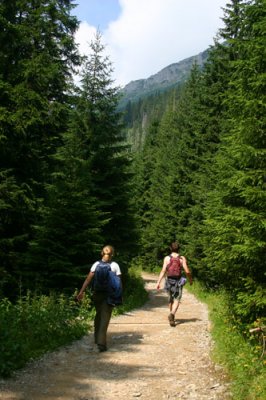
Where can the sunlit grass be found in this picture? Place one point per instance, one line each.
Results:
(238, 356)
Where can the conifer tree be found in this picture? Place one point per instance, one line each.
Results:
(108, 151)
(87, 198)
(216, 78)
(68, 236)
(37, 54)
(236, 209)
(201, 114)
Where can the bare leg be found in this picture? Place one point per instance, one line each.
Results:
(175, 306)
(173, 309)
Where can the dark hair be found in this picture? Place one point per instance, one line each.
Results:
(174, 246)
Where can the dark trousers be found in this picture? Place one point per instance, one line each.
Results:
(102, 317)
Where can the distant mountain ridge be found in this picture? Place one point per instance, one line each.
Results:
(166, 78)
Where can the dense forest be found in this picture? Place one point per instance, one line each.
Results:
(71, 180)
(64, 162)
(200, 172)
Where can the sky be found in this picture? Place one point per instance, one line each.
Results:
(141, 37)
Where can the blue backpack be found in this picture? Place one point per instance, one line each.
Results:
(105, 280)
(115, 290)
(101, 277)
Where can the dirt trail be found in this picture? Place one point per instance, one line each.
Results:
(146, 359)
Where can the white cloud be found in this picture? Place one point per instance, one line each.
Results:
(84, 36)
(151, 34)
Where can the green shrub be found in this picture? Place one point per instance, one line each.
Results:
(237, 351)
(37, 324)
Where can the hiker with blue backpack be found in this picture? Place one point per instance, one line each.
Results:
(105, 276)
(173, 265)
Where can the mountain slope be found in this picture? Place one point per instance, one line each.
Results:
(167, 78)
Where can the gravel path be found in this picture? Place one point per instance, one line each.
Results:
(147, 359)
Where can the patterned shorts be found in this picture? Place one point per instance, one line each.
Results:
(173, 289)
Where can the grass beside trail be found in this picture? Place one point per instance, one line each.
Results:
(239, 357)
(39, 324)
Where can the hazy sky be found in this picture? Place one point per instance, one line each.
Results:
(144, 36)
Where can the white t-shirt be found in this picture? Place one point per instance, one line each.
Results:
(114, 267)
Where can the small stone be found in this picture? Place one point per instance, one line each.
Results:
(215, 386)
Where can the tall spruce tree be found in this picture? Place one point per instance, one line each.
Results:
(236, 211)
(216, 78)
(37, 53)
(108, 151)
(202, 112)
(68, 235)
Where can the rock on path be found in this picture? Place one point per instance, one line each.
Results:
(147, 359)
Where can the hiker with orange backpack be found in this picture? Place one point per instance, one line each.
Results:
(173, 265)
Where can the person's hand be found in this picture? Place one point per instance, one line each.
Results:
(158, 286)
(79, 296)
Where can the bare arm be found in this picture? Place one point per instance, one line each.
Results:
(163, 271)
(186, 269)
(85, 284)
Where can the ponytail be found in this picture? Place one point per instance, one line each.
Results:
(107, 253)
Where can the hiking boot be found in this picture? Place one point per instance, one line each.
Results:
(171, 319)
